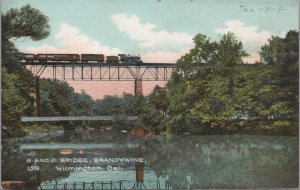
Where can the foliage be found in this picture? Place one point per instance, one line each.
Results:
(283, 55)
(40, 128)
(202, 89)
(17, 81)
(83, 104)
(15, 103)
(24, 22)
(212, 91)
(119, 108)
(57, 98)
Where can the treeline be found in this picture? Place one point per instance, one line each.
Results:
(58, 98)
(213, 92)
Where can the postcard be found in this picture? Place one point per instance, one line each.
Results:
(149, 94)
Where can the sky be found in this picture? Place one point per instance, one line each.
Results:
(158, 30)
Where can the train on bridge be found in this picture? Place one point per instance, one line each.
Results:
(83, 58)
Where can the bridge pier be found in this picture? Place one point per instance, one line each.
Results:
(138, 87)
(37, 97)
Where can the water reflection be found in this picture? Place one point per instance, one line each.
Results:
(228, 161)
(186, 161)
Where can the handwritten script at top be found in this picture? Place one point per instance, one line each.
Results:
(245, 8)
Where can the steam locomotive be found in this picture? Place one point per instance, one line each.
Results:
(84, 58)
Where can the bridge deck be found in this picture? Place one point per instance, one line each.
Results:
(76, 146)
(79, 63)
(73, 118)
(102, 71)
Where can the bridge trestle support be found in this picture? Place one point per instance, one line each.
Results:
(37, 97)
(138, 87)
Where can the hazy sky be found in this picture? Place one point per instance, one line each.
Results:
(161, 31)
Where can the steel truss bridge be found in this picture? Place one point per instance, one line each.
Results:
(82, 71)
(73, 118)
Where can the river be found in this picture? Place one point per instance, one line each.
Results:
(186, 161)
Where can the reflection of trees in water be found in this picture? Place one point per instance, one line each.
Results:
(187, 161)
(225, 162)
(15, 168)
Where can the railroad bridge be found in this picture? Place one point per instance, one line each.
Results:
(87, 71)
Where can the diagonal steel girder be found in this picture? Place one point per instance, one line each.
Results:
(103, 72)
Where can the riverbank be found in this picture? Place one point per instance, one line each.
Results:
(34, 136)
(37, 132)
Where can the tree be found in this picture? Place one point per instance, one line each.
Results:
(158, 98)
(282, 54)
(17, 81)
(57, 95)
(24, 22)
(83, 103)
(202, 87)
(14, 104)
(185, 88)
(108, 106)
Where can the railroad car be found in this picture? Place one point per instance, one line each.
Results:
(92, 57)
(58, 57)
(29, 57)
(112, 59)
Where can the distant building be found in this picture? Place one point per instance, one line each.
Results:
(141, 131)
